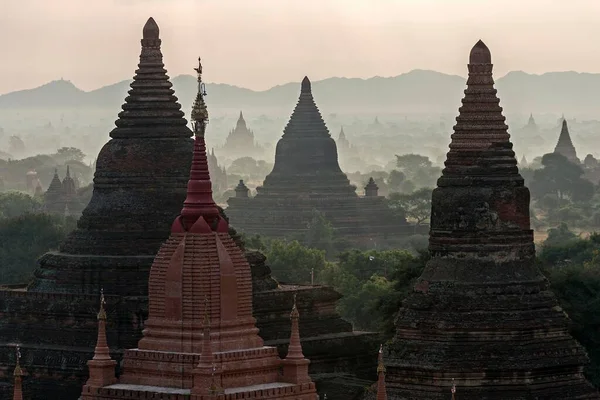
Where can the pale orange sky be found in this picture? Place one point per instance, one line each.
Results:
(261, 43)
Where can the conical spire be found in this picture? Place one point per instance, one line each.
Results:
(18, 375)
(306, 120)
(342, 135)
(371, 189)
(101, 352)
(480, 148)
(295, 365)
(199, 200)
(295, 347)
(101, 367)
(151, 109)
(55, 185)
(565, 145)
(381, 390)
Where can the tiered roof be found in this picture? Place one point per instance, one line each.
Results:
(482, 313)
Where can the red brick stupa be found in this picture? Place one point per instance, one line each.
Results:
(482, 315)
(200, 340)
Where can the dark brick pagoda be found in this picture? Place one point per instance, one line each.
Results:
(139, 184)
(55, 319)
(482, 314)
(306, 176)
(564, 146)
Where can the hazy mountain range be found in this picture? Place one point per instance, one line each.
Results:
(571, 93)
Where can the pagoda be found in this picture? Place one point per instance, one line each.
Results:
(307, 177)
(56, 327)
(62, 194)
(240, 142)
(218, 173)
(565, 145)
(195, 353)
(138, 186)
(482, 314)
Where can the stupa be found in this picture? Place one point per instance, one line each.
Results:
(240, 142)
(565, 145)
(56, 328)
(61, 195)
(482, 314)
(306, 176)
(190, 353)
(138, 186)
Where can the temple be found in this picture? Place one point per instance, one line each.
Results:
(138, 187)
(240, 142)
(565, 145)
(307, 177)
(191, 352)
(149, 158)
(482, 315)
(63, 195)
(217, 173)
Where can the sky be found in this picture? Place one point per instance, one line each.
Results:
(262, 43)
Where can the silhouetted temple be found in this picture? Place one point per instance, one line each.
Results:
(218, 173)
(63, 195)
(306, 176)
(565, 145)
(240, 141)
(482, 314)
(139, 186)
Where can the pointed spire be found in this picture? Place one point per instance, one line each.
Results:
(306, 120)
(151, 105)
(564, 145)
(295, 347)
(18, 375)
(199, 201)
(342, 134)
(371, 189)
(381, 389)
(102, 351)
(68, 172)
(241, 118)
(101, 367)
(480, 149)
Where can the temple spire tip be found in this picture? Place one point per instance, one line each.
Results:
(151, 30)
(306, 85)
(480, 54)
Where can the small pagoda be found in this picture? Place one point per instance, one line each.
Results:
(200, 340)
(240, 142)
(62, 194)
(482, 315)
(564, 146)
(307, 177)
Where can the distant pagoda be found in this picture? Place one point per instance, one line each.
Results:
(482, 315)
(62, 194)
(306, 176)
(241, 142)
(138, 186)
(217, 173)
(565, 145)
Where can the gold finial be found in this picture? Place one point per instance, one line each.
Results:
(206, 322)
(18, 370)
(102, 312)
(453, 389)
(199, 110)
(380, 365)
(295, 313)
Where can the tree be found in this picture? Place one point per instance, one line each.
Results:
(561, 178)
(27, 237)
(14, 204)
(416, 205)
(250, 168)
(418, 169)
(559, 235)
(320, 233)
(291, 262)
(395, 180)
(412, 162)
(65, 154)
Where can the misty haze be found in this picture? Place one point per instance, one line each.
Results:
(334, 199)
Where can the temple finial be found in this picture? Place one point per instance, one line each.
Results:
(151, 30)
(199, 110)
(295, 365)
(381, 389)
(306, 86)
(480, 54)
(18, 374)
(102, 311)
(101, 367)
(453, 389)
